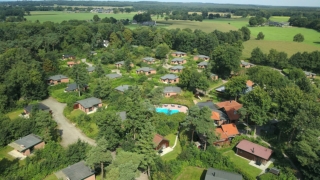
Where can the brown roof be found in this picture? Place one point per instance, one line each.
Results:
(72, 62)
(250, 83)
(157, 139)
(230, 129)
(255, 149)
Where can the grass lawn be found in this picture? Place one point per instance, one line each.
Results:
(14, 114)
(57, 16)
(51, 177)
(191, 173)
(186, 98)
(243, 164)
(176, 151)
(4, 153)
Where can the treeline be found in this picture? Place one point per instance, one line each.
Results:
(308, 61)
(11, 14)
(311, 21)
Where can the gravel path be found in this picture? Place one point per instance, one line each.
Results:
(69, 133)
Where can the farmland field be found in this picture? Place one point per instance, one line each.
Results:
(57, 16)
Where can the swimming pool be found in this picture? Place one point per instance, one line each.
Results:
(167, 111)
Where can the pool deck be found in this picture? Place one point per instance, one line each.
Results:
(182, 109)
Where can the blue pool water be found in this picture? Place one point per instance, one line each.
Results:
(167, 111)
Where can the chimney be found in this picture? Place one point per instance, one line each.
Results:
(214, 174)
(230, 101)
(252, 150)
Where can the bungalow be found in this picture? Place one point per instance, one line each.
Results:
(216, 174)
(121, 63)
(309, 74)
(149, 23)
(57, 79)
(176, 69)
(74, 87)
(217, 115)
(249, 87)
(203, 65)
(149, 60)
(178, 61)
(201, 57)
(231, 109)
(77, 171)
(146, 71)
(226, 133)
(171, 91)
(27, 144)
(246, 64)
(169, 78)
(179, 54)
(88, 105)
(28, 109)
(122, 88)
(68, 56)
(160, 142)
(254, 152)
(91, 69)
(72, 63)
(214, 76)
(113, 76)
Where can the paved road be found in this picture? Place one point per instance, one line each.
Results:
(70, 133)
(85, 61)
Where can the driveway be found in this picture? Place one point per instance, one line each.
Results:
(69, 133)
(85, 61)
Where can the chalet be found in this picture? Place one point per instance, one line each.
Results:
(169, 78)
(203, 65)
(201, 57)
(179, 54)
(160, 142)
(89, 105)
(178, 61)
(218, 116)
(27, 144)
(28, 109)
(254, 152)
(176, 69)
(72, 63)
(91, 69)
(113, 76)
(226, 133)
(309, 74)
(249, 87)
(68, 56)
(57, 79)
(121, 63)
(246, 64)
(231, 109)
(214, 76)
(122, 88)
(171, 91)
(146, 71)
(77, 171)
(149, 60)
(74, 87)
(216, 174)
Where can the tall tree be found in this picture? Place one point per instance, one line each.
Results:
(260, 36)
(245, 33)
(80, 76)
(257, 104)
(99, 70)
(236, 86)
(99, 155)
(298, 38)
(257, 56)
(162, 50)
(191, 120)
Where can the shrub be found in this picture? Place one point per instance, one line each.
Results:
(298, 38)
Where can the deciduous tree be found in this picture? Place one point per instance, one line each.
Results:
(298, 38)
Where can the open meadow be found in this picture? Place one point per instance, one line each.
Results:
(278, 38)
(59, 16)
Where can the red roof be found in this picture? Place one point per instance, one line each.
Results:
(215, 116)
(250, 83)
(157, 139)
(231, 108)
(255, 149)
(220, 132)
(72, 62)
(230, 129)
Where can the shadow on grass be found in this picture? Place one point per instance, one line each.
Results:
(6, 164)
(316, 42)
(203, 175)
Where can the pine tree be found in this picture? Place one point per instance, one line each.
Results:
(191, 119)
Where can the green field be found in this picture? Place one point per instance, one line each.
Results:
(191, 173)
(57, 16)
(176, 151)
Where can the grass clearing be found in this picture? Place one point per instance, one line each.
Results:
(242, 163)
(192, 173)
(14, 114)
(51, 177)
(4, 153)
(59, 16)
(176, 151)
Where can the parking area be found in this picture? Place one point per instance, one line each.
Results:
(16, 154)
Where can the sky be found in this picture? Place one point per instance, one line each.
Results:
(310, 3)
